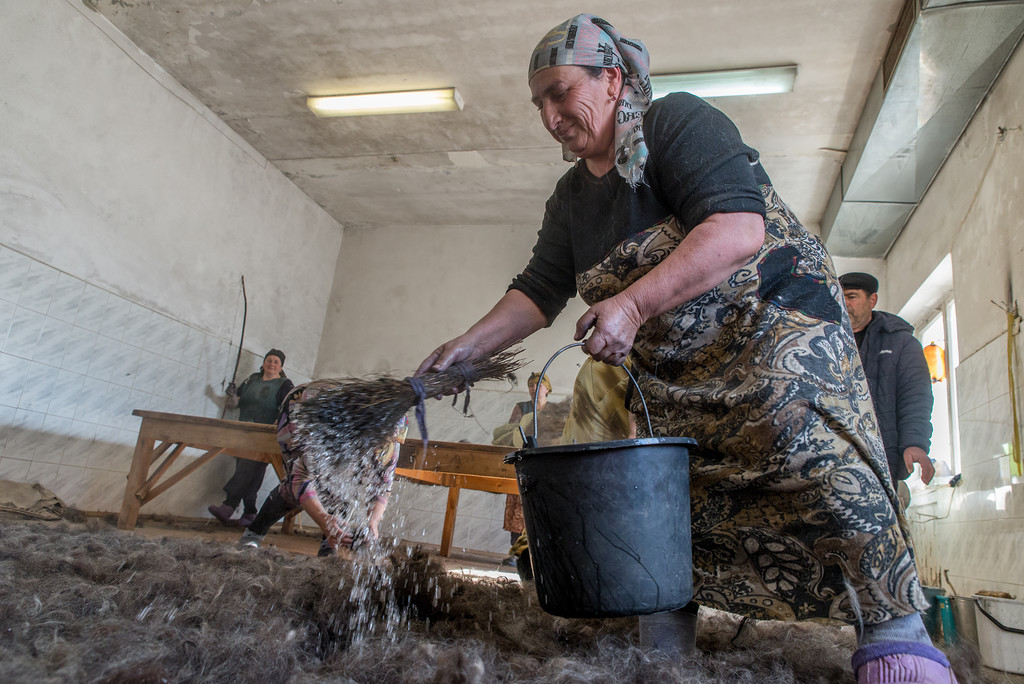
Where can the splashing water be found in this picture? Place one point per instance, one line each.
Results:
(342, 430)
(348, 481)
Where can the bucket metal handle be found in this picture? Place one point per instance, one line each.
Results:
(544, 372)
(997, 623)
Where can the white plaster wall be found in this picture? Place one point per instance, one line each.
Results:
(110, 171)
(975, 532)
(400, 291)
(398, 294)
(128, 213)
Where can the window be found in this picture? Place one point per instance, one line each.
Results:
(945, 451)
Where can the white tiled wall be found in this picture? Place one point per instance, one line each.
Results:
(971, 538)
(75, 361)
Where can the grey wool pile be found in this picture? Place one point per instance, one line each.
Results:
(84, 602)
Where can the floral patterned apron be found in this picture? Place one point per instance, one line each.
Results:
(791, 500)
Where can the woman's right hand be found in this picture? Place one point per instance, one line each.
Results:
(461, 348)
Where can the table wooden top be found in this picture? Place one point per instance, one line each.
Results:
(456, 457)
(183, 419)
(208, 433)
(460, 458)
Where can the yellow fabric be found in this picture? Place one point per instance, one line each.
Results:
(598, 412)
(520, 546)
(508, 434)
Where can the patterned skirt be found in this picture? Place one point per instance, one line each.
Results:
(791, 501)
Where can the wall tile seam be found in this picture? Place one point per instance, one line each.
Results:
(66, 466)
(964, 521)
(59, 366)
(148, 308)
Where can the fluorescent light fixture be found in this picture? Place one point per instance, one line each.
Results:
(760, 81)
(402, 102)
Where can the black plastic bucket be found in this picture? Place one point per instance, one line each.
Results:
(609, 525)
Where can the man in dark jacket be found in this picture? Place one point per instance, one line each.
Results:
(897, 376)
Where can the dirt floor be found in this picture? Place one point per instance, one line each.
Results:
(307, 542)
(177, 601)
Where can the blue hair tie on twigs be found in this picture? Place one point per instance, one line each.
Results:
(470, 375)
(421, 409)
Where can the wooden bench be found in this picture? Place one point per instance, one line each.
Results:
(457, 466)
(167, 435)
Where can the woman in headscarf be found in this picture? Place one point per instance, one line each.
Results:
(257, 401)
(731, 316)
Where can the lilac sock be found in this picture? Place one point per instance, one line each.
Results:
(874, 651)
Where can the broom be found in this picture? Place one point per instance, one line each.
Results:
(349, 421)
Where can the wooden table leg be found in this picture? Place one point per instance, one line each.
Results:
(136, 481)
(289, 521)
(449, 520)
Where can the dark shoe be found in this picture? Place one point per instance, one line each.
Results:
(222, 513)
(245, 520)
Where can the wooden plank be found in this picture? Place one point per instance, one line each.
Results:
(183, 419)
(289, 520)
(261, 456)
(456, 457)
(130, 505)
(277, 463)
(161, 448)
(449, 521)
(207, 433)
(254, 441)
(162, 468)
(424, 476)
(497, 485)
(180, 475)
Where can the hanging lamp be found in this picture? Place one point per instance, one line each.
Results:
(936, 359)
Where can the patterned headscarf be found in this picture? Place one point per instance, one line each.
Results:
(586, 40)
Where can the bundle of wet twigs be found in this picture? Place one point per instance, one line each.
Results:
(348, 419)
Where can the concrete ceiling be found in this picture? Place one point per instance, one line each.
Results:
(254, 61)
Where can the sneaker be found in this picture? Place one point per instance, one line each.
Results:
(245, 520)
(250, 540)
(222, 513)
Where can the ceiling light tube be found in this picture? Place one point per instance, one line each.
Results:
(758, 81)
(402, 102)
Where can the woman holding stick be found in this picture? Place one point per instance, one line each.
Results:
(731, 316)
(257, 401)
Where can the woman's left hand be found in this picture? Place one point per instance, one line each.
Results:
(615, 322)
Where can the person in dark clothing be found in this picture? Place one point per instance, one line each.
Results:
(898, 378)
(257, 401)
(699, 275)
